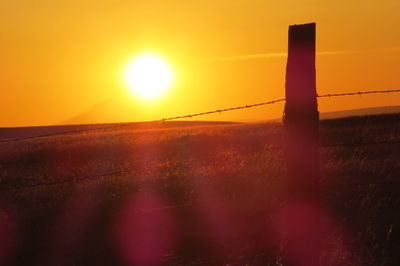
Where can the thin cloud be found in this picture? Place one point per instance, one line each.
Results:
(249, 57)
(282, 55)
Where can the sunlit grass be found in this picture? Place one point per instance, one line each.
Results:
(238, 168)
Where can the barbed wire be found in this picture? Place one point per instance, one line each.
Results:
(272, 102)
(74, 131)
(115, 126)
(66, 181)
(355, 93)
(220, 110)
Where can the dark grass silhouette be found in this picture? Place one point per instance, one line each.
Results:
(209, 194)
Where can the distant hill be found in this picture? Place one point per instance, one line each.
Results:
(361, 112)
(104, 112)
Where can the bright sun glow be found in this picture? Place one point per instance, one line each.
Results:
(149, 76)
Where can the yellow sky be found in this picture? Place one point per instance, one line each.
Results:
(61, 58)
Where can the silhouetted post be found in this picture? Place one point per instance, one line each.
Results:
(301, 128)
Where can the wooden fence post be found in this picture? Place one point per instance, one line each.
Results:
(301, 112)
(301, 119)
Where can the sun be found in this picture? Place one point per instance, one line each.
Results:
(148, 76)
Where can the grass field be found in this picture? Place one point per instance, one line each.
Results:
(194, 193)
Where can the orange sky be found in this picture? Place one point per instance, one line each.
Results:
(61, 58)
